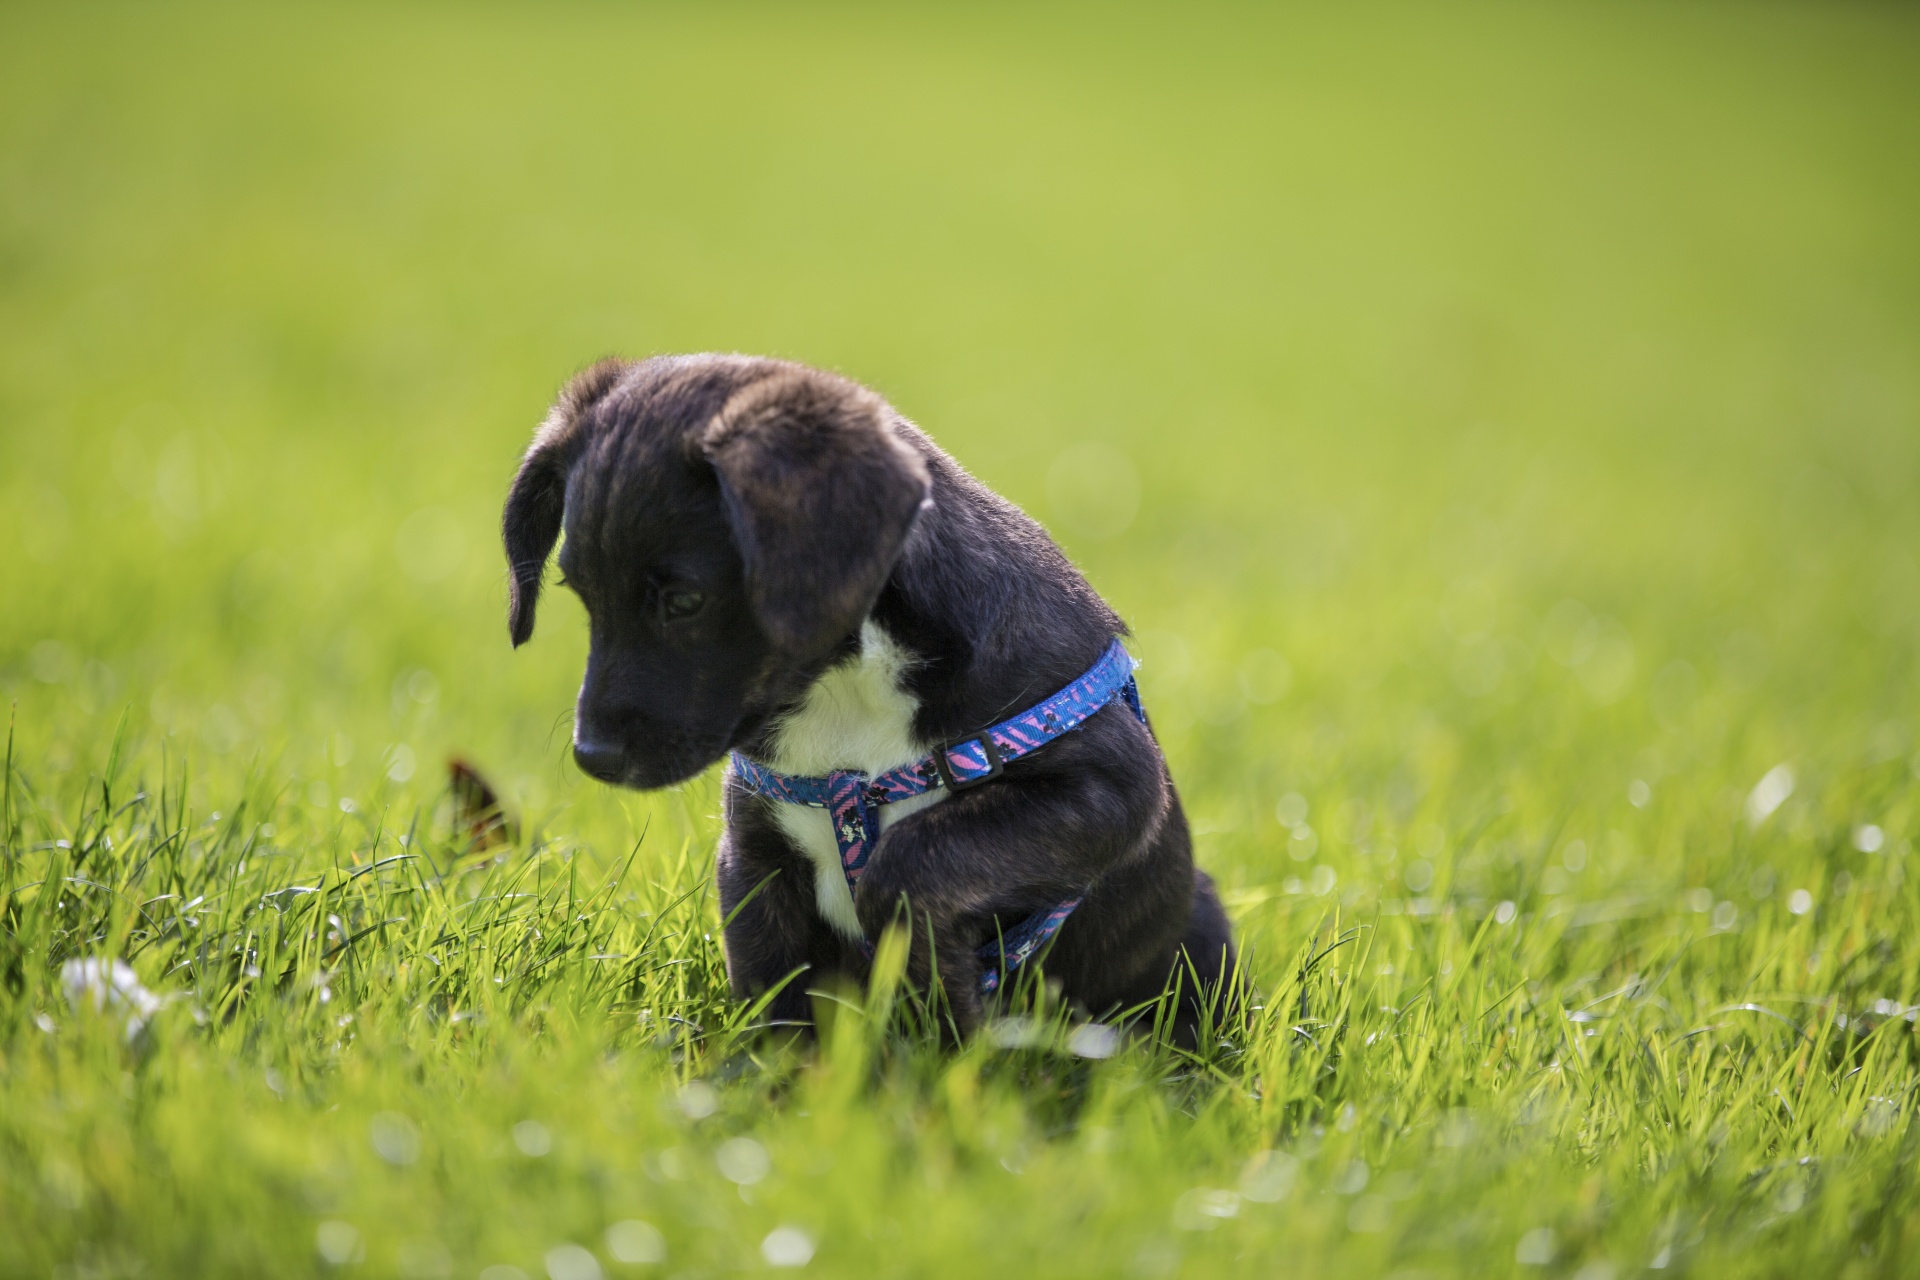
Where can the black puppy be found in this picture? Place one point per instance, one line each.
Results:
(776, 563)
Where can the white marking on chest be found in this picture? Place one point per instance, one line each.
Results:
(858, 715)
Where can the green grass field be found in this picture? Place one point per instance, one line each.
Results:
(1506, 421)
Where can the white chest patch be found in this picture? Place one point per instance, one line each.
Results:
(857, 715)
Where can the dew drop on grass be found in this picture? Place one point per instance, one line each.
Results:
(1457, 1129)
(1879, 1118)
(697, 1100)
(636, 1242)
(571, 1262)
(339, 1243)
(533, 1138)
(400, 762)
(1269, 1177)
(395, 1138)
(1799, 902)
(786, 1247)
(1769, 794)
(1868, 838)
(1303, 844)
(1535, 1248)
(1505, 912)
(742, 1161)
(1292, 810)
(1203, 1208)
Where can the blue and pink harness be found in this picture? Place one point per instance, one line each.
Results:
(852, 799)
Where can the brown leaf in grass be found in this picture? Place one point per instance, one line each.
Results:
(477, 808)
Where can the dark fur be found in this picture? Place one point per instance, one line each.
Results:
(800, 504)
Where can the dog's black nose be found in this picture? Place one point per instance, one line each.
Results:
(599, 761)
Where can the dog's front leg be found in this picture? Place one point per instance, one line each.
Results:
(1009, 848)
(772, 928)
(938, 940)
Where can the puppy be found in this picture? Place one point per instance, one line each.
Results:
(776, 564)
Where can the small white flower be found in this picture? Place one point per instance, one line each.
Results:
(110, 985)
(1093, 1040)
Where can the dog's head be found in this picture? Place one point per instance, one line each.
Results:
(729, 522)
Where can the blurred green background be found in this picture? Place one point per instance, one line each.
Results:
(1410, 322)
(1501, 418)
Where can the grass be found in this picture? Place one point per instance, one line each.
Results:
(1507, 426)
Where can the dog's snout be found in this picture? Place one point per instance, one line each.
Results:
(598, 760)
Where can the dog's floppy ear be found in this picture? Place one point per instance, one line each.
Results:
(537, 500)
(820, 495)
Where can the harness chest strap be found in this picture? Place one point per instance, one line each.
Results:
(851, 798)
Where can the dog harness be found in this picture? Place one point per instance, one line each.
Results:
(852, 799)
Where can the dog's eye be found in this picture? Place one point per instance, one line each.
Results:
(679, 602)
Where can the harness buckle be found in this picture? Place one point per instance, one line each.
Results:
(995, 765)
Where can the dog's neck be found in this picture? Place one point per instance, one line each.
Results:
(982, 617)
(857, 715)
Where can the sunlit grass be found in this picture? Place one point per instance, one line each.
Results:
(1503, 429)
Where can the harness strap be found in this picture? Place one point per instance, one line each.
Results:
(851, 798)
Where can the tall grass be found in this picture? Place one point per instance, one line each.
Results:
(451, 1059)
(1505, 431)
